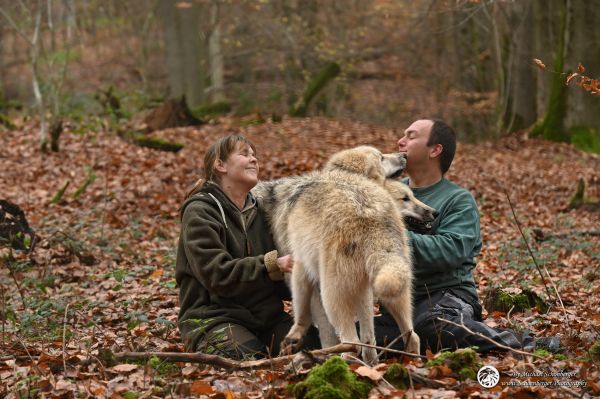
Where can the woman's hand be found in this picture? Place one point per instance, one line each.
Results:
(285, 263)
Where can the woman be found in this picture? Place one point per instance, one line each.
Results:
(229, 274)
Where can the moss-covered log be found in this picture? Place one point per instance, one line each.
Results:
(314, 87)
(500, 300)
(156, 143)
(212, 109)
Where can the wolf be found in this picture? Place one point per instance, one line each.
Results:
(346, 233)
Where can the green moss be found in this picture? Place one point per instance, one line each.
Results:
(212, 109)
(585, 138)
(163, 368)
(497, 299)
(595, 351)
(463, 362)
(467, 373)
(397, 375)
(156, 143)
(131, 395)
(541, 352)
(332, 379)
(504, 300)
(560, 356)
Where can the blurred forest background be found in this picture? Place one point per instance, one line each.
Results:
(469, 61)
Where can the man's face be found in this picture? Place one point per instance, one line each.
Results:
(414, 144)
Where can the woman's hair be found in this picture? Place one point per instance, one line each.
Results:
(221, 149)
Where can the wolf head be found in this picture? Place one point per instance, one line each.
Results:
(369, 162)
(414, 212)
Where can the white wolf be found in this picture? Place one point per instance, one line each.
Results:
(344, 228)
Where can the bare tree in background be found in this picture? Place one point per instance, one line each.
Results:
(38, 24)
(217, 92)
(185, 46)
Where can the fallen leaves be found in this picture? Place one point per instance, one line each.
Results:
(128, 220)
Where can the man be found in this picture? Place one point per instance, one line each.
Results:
(443, 253)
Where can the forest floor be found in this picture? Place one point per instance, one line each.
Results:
(101, 276)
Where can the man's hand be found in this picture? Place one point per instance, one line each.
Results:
(285, 263)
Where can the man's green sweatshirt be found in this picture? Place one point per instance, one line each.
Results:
(220, 268)
(445, 256)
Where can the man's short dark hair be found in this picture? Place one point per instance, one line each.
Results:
(442, 133)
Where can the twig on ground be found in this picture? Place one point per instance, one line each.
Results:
(3, 315)
(508, 348)
(508, 315)
(534, 259)
(419, 379)
(512, 209)
(64, 351)
(540, 235)
(383, 349)
(226, 363)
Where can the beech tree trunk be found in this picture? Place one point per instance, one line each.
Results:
(185, 50)
(216, 55)
(518, 108)
(583, 109)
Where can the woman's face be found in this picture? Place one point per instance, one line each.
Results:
(240, 168)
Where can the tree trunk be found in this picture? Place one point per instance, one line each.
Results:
(471, 40)
(583, 108)
(184, 50)
(518, 108)
(2, 72)
(552, 127)
(216, 56)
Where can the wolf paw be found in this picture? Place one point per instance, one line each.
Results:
(290, 345)
(369, 355)
(413, 345)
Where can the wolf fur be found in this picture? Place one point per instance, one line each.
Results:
(346, 234)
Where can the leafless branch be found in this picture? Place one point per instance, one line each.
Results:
(226, 363)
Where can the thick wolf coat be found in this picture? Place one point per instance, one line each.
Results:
(348, 240)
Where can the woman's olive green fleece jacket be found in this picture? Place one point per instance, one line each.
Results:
(222, 271)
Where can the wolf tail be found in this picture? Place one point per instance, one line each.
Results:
(391, 274)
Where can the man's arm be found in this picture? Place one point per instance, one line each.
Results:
(453, 240)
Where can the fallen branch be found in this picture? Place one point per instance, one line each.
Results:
(541, 235)
(230, 364)
(384, 349)
(508, 348)
(418, 378)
